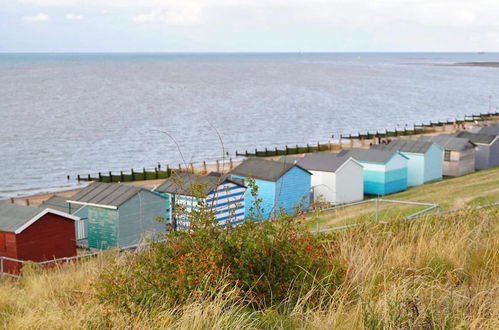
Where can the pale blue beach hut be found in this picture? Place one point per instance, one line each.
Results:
(281, 187)
(425, 159)
(385, 172)
(220, 195)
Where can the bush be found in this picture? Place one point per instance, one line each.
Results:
(265, 262)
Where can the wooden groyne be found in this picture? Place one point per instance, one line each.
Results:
(343, 141)
(364, 139)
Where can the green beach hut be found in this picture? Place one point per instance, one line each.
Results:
(120, 215)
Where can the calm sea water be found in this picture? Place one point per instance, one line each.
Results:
(64, 114)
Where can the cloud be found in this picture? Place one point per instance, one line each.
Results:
(73, 17)
(40, 17)
(182, 15)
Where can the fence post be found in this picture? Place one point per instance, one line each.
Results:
(122, 177)
(192, 168)
(286, 152)
(308, 148)
(145, 174)
(1, 265)
(377, 210)
(133, 175)
(100, 177)
(156, 173)
(168, 171)
(110, 176)
(27, 202)
(266, 152)
(204, 166)
(89, 178)
(231, 165)
(78, 178)
(218, 166)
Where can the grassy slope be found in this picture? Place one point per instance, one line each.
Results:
(481, 187)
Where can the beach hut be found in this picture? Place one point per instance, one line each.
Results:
(215, 194)
(335, 179)
(120, 215)
(34, 234)
(60, 203)
(459, 153)
(424, 159)
(486, 148)
(385, 172)
(281, 187)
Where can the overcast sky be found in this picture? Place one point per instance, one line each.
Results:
(248, 25)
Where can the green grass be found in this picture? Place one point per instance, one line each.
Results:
(479, 188)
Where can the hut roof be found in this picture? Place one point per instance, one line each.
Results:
(263, 169)
(449, 142)
(411, 146)
(479, 138)
(323, 161)
(491, 130)
(103, 194)
(58, 203)
(15, 218)
(369, 155)
(193, 184)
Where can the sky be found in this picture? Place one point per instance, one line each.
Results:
(248, 25)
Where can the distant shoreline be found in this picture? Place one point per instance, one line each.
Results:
(478, 64)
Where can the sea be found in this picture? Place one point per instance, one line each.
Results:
(67, 114)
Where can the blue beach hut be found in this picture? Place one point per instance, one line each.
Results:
(281, 186)
(424, 159)
(385, 172)
(220, 195)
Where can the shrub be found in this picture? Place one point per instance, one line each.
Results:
(266, 262)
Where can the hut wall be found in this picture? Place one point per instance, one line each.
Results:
(8, 248)
(433, 168)
(482, 153)
(138, 218)
(293, 190)
(267, 194)
(50, 237)
(323, 186)
(227, 203)
(396, 174)
(415, 168)
(349, 183)
(102, 227)
(494, 153)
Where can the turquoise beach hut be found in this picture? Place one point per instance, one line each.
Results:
(120, 215)
(281, 186)
(385, 172)
(424, 159)
(219, 194)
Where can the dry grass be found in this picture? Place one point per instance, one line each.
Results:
(431, 273)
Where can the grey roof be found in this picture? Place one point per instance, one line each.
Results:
(14, 216)
(492, 130)
(412, 146)
(449, 142)
(322, 161)
(268, 170)
(106, 194)
(59, 203)
(368, 155)
(476, 137)
(193, 184)
(290, 159)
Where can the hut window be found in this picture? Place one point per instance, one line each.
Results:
(3, 243)
(447, 155)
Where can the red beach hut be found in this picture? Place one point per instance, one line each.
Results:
(34, 234)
